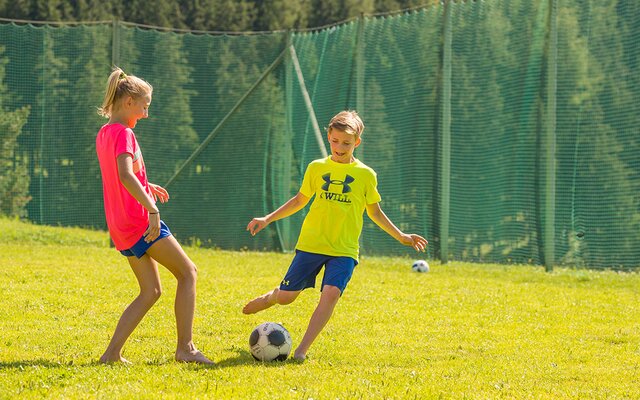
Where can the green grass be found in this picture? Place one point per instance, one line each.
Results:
(461, 331)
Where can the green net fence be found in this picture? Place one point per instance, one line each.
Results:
(502, 130)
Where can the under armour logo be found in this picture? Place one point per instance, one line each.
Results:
(345, 184)
(285, 283)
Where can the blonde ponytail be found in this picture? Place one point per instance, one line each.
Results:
(119, 85)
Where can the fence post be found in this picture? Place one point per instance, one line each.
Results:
(42, 125)
(445, 166)
(360, 68)
(550, 136)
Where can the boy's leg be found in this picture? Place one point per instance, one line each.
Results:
(338, 272)
(270, 298)
(300, 275)
(328, 300)
(168, 252)
(146, 272)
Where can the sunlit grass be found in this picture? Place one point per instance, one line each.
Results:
(459, 331)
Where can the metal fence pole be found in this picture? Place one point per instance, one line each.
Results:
(550, 135)
(307, 101)
(445, 167)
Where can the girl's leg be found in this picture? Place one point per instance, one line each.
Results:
(167, 251)
(146, 272)
(270, 298)
(328, 300)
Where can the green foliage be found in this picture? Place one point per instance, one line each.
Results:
(331, 11)
(87, 90)
(389, 68)
(219, 15)
(281, 14)
(14, 174)
(596, 153)
(169, 75)
(472, 331)
(208, 15)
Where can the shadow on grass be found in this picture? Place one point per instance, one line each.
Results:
(243, 357)
(33, 363)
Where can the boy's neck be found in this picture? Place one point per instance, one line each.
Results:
(352, 160)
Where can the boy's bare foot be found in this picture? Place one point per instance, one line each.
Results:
(299, 356)
(193, 356)
(120, 359)
(260, 303)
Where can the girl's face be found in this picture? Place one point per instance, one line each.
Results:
(137, 109)
(342, 146)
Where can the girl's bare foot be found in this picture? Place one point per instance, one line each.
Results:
(260, 303)
(192, 356)
(113, 360)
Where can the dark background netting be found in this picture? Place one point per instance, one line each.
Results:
(457, 103)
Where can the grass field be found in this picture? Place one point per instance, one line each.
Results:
(460, 331)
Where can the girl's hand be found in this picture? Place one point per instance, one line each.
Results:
(159, 193)
(153, 231)
(416, 241)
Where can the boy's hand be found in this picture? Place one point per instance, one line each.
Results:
(416, 241)
(256, 225)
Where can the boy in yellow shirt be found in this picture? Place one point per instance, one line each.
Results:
(343, 188)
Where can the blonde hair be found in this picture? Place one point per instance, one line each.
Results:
(347, 121)
(120, 85)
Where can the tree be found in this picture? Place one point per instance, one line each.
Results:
(87, 84)
(601, 223)
(281, 14)
(162, 13)
(325, 12)
(169, 130)
(14, 175)
(219, 15)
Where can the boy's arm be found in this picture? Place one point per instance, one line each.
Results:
(380, 218)
(295, 204)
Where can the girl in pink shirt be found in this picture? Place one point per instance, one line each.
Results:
(134, 219)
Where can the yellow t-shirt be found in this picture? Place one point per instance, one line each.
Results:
(334, 222)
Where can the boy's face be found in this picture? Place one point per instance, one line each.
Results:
(342, 145)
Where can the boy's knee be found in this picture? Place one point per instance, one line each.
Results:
(331, 292)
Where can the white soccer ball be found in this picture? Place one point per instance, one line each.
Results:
(270, 341)
(420, 266)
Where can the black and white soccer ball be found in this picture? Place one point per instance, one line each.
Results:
(270, 341)
(420, 266)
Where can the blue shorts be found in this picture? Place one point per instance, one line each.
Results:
(141, 246)
(305, 267)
